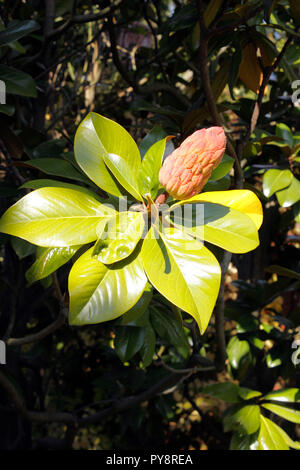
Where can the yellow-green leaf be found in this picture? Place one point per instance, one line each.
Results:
(223, 226)
(283, 411)
(289, 196)
(55, 217)
(97, 139)
(182, 270)
(100, 293)
(242, 200)
(120, 236)
(275, 180)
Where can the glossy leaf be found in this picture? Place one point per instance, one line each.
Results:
(17, 82)
(222, 226)
(242, 200)
(289, 196)
(22, 247)
(128, 341)
(48, 261)
(285, 395)
(222, 169)
(220, 185)
(184, 271)
(244, 418)
(151, 164)
(147, 350)
(167, 327)
(227, 391)
(98, 137)
(286, 438)
(57, 167)
(247, 393)
(124, 173)
(133, 315)
(241, 441)
(100, 293)
(237, 350)
(286, 413)
(119, 237)
(157, 133)
(284, 132)
(17, 30)
(275, 180)
(281, 271)
(47, 183)
(270, 438)
(55, 217)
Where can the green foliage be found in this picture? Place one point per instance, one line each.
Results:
(177, 264)
(252, 430)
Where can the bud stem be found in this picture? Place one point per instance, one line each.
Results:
(161, 199)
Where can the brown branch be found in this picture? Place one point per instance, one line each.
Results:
(81, 19)
(219, 314)
(41, 334)
(226, 256)
(71, 418)
(210, 99)
(145, 89)
(257, 107)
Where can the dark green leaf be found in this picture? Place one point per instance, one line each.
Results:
(16, 30)
(128, 341)
(17, 82)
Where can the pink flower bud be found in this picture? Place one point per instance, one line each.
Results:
(188, 168)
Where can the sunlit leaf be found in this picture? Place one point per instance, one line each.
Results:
(100, 293)
(223, 226)
(48, 261)
(275, 180)
(284, 412)
(289, 196)
(239, 199)
(184, 271)
(270, 438)
(55, 217)
(119, 237)
(99, 140)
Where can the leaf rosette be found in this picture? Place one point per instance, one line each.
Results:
(119, 251)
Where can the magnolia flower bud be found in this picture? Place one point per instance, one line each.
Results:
(188, 168)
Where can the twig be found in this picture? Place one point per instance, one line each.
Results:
(211, 103)
(41, 334)
(257, 107)
(145, 89)
(81, 19)
(189, 370)
(69, 418)
(60, 297)
(219, 314)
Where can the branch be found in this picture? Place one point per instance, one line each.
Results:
(257, 107)
(211, 103)
(70, 418)
(81, 19)
(142, 90)
(219, 314)
(41, 334)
